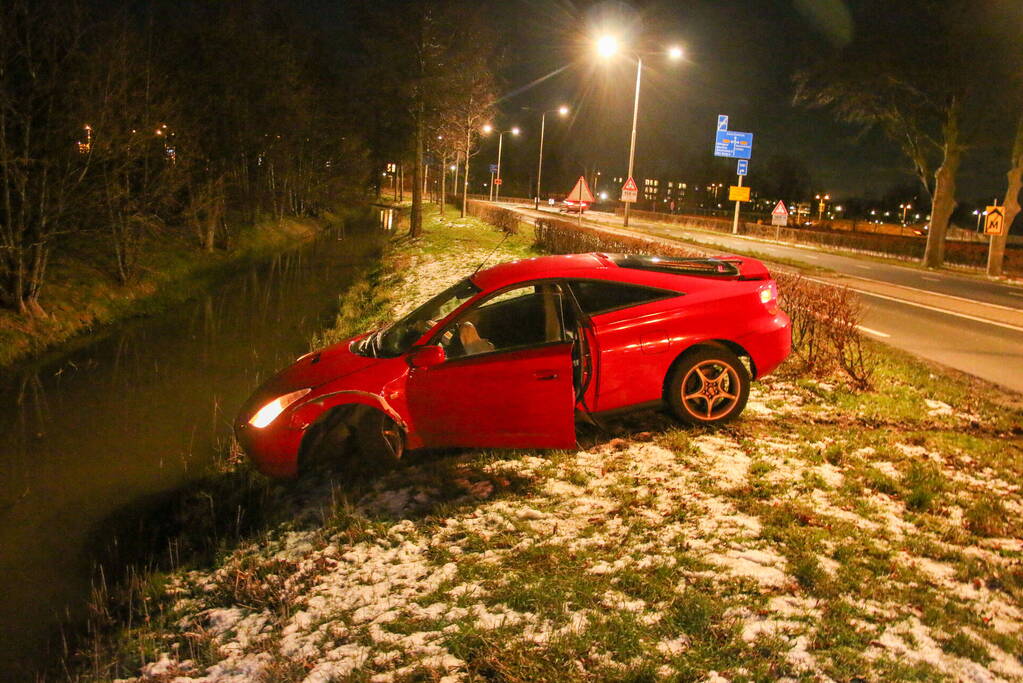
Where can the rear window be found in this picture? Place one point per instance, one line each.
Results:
(600, 296)
(681, 266)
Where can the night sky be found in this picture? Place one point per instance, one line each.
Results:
(740, 56)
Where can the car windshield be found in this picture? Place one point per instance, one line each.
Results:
(398, 338)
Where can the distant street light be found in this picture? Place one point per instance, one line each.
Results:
(980, 217)
(562, 111)
(905, 208)
(495, 187)
(607, 46)
(821, 200)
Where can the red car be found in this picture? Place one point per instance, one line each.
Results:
(511, 355)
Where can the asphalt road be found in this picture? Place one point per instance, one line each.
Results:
(988, 350)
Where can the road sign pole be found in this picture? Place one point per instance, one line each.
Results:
(735, 219)
(491, 186)
(995, 226)
(996, 255)
(632, 146)
(539, 166)
(500, 144)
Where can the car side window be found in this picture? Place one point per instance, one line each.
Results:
(515, 318)
(600, 296)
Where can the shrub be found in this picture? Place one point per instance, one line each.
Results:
(505, 219)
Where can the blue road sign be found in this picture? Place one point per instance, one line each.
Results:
(493, 168)
(733, 144)
(722, 122)
(742, 167)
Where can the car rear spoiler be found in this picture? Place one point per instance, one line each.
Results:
(738, 267)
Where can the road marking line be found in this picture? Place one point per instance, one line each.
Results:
(1007, 326)
(863, 267)
(861, 328)
(810, 256)
(1015, 293)
(933, 293)
(931, 278)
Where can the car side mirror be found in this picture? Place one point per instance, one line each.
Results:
(427, 357)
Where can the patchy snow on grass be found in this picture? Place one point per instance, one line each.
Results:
(757, 551)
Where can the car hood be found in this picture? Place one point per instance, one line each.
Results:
(310, 371)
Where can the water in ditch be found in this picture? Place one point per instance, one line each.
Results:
(138, 413)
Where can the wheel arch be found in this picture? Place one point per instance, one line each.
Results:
(341, 407)
(732, 346)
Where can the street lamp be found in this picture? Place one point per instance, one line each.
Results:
(821, 200)
(607, 46)
(562, 111)
(495, 185)
(905, 208)
(980, 216)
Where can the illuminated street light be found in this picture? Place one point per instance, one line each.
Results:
(980, 217)
(606, 47)
(562, 111)
(495, 187)
(821, 199)
(905, 208)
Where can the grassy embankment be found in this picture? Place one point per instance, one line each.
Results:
(828, 532)
(81, 293)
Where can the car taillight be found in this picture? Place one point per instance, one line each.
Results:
(769, 295)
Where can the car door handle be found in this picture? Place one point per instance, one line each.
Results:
(543, 375)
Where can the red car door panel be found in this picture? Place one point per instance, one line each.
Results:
(511, 399)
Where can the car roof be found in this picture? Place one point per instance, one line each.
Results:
(570, 265)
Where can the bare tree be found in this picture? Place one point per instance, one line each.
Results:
(133, 172)
(996, 254)
(40, 165)
(925, 89)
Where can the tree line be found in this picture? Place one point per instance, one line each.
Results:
(120, 122)
(942, 79)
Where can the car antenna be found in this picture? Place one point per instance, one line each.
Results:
(490, 254)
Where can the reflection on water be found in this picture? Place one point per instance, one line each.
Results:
(138, 413)
(386, 219)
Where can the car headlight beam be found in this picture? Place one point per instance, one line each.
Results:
(271, 410)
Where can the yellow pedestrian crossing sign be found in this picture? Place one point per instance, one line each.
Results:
(994, 224)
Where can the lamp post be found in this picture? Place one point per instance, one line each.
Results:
(821, 201)
(980, 217)
(905, 208)
(608, 46)
(562, 111)
(495, 185)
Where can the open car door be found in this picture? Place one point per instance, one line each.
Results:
(507, 381)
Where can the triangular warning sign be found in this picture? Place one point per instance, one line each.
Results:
(630, 186)
(780, 210)
(581, 192)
